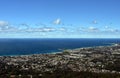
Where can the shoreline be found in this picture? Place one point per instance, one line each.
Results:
(110, 44)
(100, 59)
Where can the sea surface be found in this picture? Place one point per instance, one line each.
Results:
(48, 45)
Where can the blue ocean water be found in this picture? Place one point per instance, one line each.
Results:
(48, 45)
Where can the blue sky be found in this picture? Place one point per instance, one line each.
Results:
(60, 19)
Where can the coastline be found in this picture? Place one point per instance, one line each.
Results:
(110, 44)
(48, 46)
(100, 59)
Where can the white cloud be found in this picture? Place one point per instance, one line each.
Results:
(95, 22)
(88, 29)
(106, 27)
(112, 30)
(81, 29)
(62, 29)
(3, 23)
(41, 28)
(44, 29)
(23, 26)
(93, 29)
(57, 21)
(47, 29)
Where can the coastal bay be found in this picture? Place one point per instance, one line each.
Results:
(101, 59)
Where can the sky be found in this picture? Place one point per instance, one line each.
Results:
(59, 18)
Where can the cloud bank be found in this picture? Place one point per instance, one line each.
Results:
(52, 29)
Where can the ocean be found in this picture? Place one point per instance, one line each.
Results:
(48, 45)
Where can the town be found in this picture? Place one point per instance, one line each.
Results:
(101, 59)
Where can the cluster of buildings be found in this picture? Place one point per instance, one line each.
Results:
(93, 59)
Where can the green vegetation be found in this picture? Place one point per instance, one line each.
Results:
(113, 66)
(66, 52)
(58, 73)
